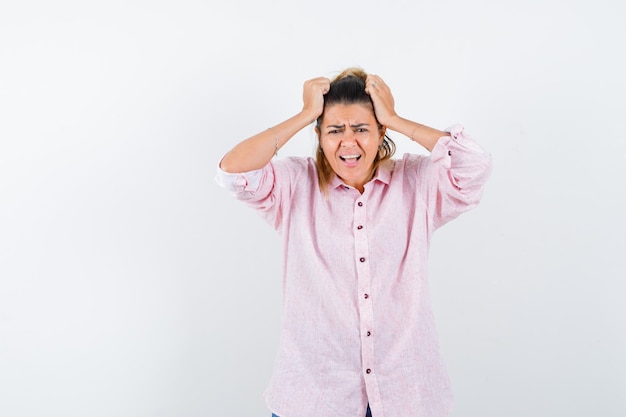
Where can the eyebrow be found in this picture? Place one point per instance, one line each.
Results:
(343, 126)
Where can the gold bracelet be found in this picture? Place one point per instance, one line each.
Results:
(413, 131)
(276, 139)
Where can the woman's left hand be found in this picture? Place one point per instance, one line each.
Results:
(381, 98)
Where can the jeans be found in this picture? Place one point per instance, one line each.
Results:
(367, 414)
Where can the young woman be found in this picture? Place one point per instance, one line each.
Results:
(358, 334)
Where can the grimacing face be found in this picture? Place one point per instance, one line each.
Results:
(350, 137)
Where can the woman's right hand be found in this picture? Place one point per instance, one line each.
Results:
(256, 151)
(313, 96)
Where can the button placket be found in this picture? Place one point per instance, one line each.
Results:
(366, 312)
(361, 246)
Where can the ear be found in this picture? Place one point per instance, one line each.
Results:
(317, 132)
(383, 130)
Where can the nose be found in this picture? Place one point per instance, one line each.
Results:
(348, 139)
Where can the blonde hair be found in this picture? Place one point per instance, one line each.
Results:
(347, 88)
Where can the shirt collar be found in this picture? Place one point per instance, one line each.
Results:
(383, 174)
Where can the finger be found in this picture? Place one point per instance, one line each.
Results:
(370, 85)
(373, 78)
(325, 85)
(373, 90)
(321, 83)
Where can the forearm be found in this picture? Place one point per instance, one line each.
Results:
(424, 135)
(256, 151)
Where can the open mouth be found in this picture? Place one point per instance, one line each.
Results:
(350, 158)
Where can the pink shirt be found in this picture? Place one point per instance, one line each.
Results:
(357, 323)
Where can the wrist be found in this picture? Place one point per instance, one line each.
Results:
(308, 116)
(393, 122)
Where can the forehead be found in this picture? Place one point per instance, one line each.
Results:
(349, 113)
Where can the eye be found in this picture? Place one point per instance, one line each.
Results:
(361, 130)
(334, 131)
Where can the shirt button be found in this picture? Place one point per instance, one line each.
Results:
(359, 227)
(449, 153)
(362, 259)
(360, 204)
(369, 334)
(369, 371)
(366, 296)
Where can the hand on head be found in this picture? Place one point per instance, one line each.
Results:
(382, 99)
(313, 96)
(375, 87)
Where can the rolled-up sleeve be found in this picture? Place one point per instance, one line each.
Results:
(239, 183)
(264, 190)
(463, 168)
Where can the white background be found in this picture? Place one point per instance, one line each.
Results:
(132, 285)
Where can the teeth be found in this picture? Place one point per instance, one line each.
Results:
(350, 156)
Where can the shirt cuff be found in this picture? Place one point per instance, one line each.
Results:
(239, 182)
(457, 141)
